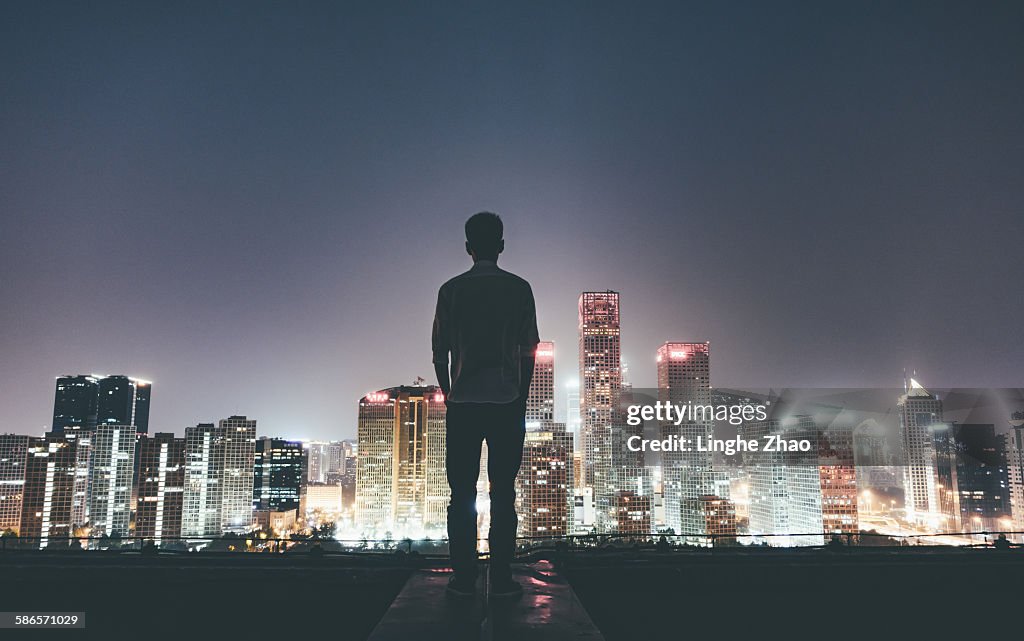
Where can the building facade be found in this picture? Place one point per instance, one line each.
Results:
(161, 487)
(13, 455)
(49, 481)
(280, 466)
(918, 411)
(600, 363)
(111, 477)
(401, 486)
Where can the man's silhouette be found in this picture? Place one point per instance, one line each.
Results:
(487, 322)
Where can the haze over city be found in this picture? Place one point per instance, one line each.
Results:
(253, 208)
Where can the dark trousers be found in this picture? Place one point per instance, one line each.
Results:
(503, 426)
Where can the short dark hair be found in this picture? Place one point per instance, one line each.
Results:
(484, 232)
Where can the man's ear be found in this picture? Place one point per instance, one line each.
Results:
(469, 250)
(501, 245)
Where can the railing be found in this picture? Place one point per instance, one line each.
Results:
(527, 546)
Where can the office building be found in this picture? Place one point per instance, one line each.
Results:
(684, 377)
(161, 487)
(785, 487)
(600, 363)
(13, 455)
(972, 477)
(279, 468)
(544, 488)
(540, 402)
(219, 462)
(111, 476)
(401, 486)
(49, 480)
(918, 411)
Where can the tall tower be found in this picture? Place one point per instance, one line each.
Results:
(684, 377)
(540, 403)
(161, 486)
(238, 453)
(600, 361)
(401, 486)
(277, 474)
(111, 474)
(75, 403)
(919, 410)
(124, 400)
(201, 502)
(219, 462)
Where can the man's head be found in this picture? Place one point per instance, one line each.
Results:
(484, 236)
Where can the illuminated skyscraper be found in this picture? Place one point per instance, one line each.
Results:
(684, 377)
(111, 474)
(49, 480)
(201, 504)
(277, 474)
(785, 486)
(161, 487)
(540, 403)
(600, 362)
(238, 444)
(13, 454)
(919, 410)
(219, 463)
(544, 487)
(401, 486)
(838, 476)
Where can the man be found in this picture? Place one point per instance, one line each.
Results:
(486, 322)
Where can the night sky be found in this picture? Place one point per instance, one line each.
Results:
(253, 205)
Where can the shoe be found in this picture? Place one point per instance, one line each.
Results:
(461, 587)
(505, 589)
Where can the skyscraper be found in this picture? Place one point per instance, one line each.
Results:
(161, 487)
(684, 377)
(13, 454)
(219, 462)
(75, 403)
(918, 411)
(238, 453)
(277, 474)
(785, 486)
(544, 496)
(544, 487)
(49, 480)
(838, 476)
(401, 486)
(600, 362)
(540, 402)
(972, 477)
(111, 474)
(201, 501)
(124, 400)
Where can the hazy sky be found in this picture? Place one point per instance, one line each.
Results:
(253, 205)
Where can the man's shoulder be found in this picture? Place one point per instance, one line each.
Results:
(507, 277)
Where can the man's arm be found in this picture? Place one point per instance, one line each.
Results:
(528, 339)
(440, 346)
